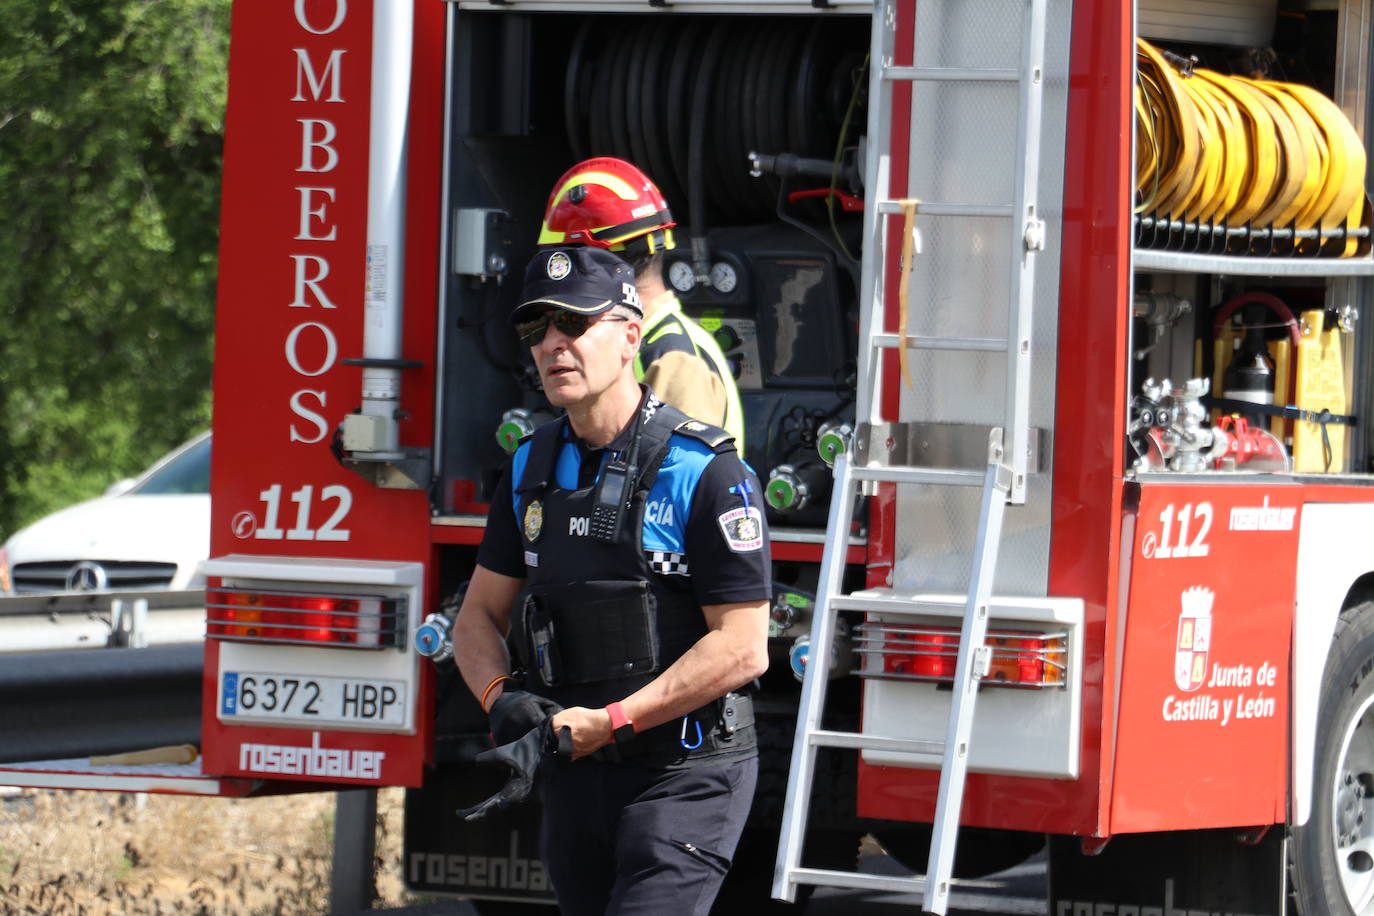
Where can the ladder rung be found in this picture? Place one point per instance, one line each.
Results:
(944, 476)
(862, 742)
(861, 881)
(919, 342)
(888, 601)
(952, 74)
(952, 208)
(880, 603)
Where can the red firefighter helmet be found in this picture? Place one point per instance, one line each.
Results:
(608, 203)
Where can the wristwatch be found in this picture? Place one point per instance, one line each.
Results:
(621, 726)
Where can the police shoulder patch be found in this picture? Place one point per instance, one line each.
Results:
(743, 528)
(716, 438)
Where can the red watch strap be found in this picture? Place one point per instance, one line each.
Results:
(618, 718)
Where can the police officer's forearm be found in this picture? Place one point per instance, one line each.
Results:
(730, 655)
(479, 633)
(481, 656)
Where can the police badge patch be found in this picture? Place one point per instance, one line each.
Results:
(534, 520)
(743, 528)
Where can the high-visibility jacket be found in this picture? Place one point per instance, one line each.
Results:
(681, 361)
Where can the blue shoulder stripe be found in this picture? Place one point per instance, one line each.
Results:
(670, 499)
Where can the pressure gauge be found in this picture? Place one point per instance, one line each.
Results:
(723, 277)
(682, 277)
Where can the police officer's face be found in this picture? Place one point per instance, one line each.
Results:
(577, 368)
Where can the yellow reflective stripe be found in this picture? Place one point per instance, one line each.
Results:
(673, 328)
(616, 185)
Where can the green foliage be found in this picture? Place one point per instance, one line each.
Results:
(111, 134)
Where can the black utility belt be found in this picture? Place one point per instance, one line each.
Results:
(718, 729)
(585, 632)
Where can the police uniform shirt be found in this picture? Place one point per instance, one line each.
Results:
(704, 525)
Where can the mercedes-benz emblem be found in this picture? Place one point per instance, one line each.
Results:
(87, 577)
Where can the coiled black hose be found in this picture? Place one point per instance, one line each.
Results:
(687, 98)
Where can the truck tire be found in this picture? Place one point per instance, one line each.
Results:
(1331, 857)
(981, 851)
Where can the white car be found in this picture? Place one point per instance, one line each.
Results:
(148, 533)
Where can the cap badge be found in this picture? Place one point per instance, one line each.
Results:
(559, 266)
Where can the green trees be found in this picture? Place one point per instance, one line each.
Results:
(111, 126)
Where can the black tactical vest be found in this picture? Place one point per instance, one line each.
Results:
(595, 623)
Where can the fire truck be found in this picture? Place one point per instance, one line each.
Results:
(1046, 321)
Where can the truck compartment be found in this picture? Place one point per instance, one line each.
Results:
(1260, 304)
(760, 259)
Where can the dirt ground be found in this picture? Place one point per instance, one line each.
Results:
(110, 854)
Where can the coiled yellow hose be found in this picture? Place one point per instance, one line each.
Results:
(1245, 153)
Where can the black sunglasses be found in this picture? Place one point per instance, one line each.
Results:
(569, 324)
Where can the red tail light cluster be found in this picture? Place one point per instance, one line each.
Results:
(266, 615)
(929, 653)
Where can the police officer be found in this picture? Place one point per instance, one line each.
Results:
(626, 555)
(609, 203)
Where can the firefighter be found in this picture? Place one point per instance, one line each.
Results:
(589, 564)
(609, 203)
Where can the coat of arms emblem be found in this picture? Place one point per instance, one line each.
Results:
(1194, 638)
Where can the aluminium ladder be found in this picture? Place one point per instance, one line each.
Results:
(1002, 481)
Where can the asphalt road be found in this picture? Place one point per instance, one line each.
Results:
(1018, 891)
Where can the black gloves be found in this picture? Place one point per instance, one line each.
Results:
(521, 725)
(515, 712)
(528, 758)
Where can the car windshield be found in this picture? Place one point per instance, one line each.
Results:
(188, 472)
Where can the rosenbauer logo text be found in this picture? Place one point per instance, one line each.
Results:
(295, 760)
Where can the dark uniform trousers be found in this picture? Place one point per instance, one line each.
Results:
(633, 841)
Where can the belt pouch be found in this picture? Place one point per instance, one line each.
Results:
(543, 657)
(736, 712)
(603, 629)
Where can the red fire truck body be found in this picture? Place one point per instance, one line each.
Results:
(1154, 756)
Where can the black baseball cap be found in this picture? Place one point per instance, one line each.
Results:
(578, 279)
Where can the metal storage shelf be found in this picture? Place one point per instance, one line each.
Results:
(1182, 262)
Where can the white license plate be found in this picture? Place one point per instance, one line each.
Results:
(311, 699)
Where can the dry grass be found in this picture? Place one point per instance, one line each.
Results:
(104, 854)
